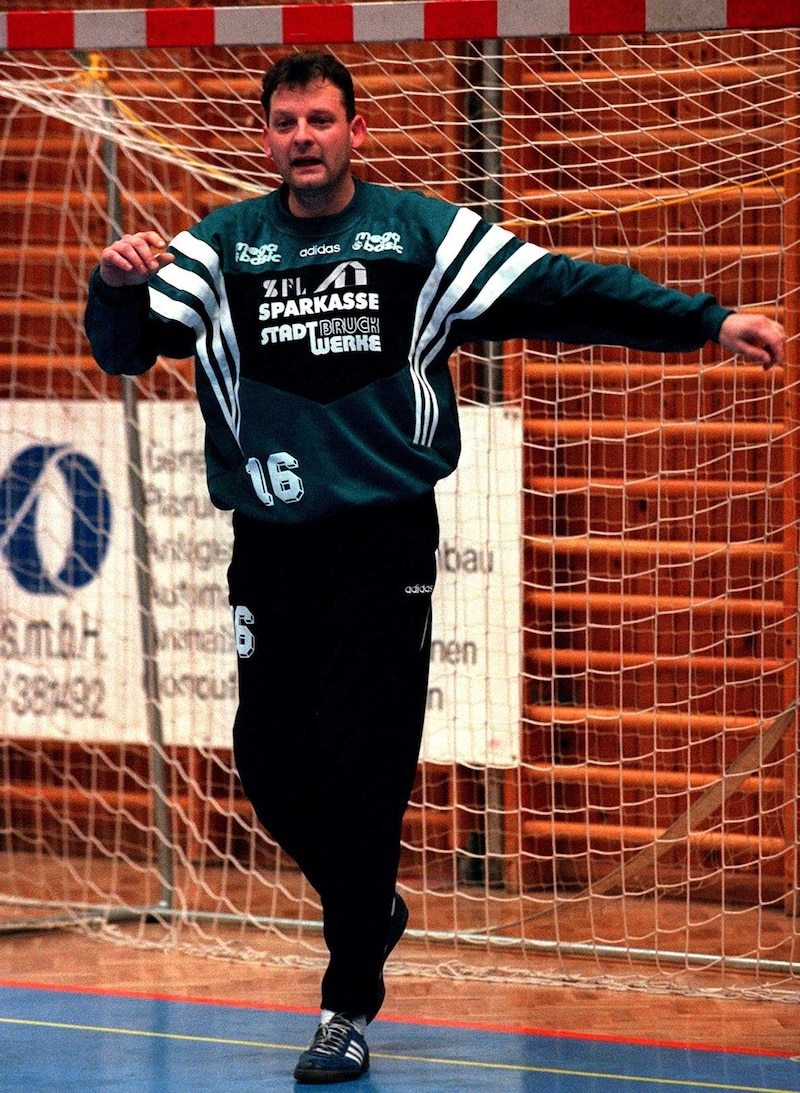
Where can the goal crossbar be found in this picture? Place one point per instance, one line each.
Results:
(415, 20)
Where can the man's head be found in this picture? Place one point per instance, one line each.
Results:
(299, 70)
(312, 130)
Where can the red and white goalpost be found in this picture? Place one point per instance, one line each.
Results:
(609, 783)
(167, 26)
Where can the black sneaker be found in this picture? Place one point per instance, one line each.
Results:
(338, 1053)
(397, 927)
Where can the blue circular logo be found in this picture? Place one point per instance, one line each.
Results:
(21, 492)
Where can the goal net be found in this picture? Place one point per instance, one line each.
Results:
(607, 789)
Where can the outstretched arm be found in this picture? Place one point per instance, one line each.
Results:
(754, 337)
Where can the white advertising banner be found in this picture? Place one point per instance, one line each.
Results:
(70, 654)
(70, 635)
(473, 711)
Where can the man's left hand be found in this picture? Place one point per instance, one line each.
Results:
(754, 337)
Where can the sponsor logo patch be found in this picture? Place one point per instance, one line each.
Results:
(377, 244)
(257, 256)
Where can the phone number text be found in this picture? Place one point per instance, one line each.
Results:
(39, 695)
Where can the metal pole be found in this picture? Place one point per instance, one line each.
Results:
(144, 585)
(489, 127)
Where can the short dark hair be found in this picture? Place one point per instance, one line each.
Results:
(300, 69)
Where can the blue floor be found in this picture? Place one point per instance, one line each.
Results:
(55, 1041)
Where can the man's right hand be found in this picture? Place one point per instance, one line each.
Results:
(133, 259)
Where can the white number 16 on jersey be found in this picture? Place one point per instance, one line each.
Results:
(287, 486)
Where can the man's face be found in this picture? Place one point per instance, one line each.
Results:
(310, 141)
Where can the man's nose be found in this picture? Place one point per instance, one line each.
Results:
(302, 132)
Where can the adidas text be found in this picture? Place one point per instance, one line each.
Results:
(320, 248)
(419, 589)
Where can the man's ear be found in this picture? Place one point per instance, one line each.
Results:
(358, 132)
(265, 139)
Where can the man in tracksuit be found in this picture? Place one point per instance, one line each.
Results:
(321, 318)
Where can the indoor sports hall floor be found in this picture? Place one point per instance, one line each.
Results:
(77, 1014)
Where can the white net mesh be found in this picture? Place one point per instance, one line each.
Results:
(618, 610)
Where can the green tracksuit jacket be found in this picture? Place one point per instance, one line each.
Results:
(322, 345)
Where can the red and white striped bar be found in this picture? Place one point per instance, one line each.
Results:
(409, 21)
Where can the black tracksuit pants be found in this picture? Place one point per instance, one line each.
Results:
(333, 634)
